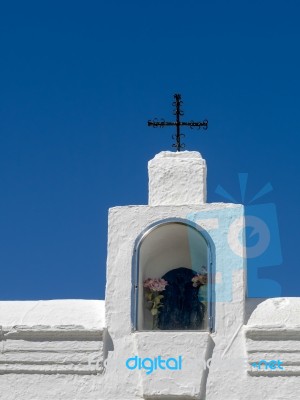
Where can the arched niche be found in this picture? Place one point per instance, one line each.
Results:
(177, 250)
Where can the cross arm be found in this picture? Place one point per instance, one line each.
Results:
(192, 124)
(161, 124)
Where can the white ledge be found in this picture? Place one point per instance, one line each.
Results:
(280, 312)
(86, 314)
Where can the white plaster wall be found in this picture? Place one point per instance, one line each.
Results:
(89, 313)
(46, 346)
(161, 384)
(49, 349)
(177, 178)
(272, 333)
(125, 225)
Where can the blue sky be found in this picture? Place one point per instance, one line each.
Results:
(78, 82)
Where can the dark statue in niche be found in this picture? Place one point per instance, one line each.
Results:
(181, 306)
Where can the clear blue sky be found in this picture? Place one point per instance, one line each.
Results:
(78, 82)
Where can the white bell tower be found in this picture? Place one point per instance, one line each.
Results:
(177, 230)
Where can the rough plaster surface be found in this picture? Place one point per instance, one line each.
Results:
(125, 226)
(273, 333)
(57, 349)
(280, 312)
(51, 349)
(177, 178)
(166, 383)
(86, 313)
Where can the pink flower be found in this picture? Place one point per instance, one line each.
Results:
(155, 284)
(199, 280)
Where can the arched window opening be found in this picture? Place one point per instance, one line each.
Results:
(172, 279)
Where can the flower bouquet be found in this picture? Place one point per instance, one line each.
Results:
(200, 281)
(152, 289)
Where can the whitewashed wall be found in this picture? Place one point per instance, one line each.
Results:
(50, 349)
(77, 349)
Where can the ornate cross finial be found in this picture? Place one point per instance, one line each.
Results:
(178, 112)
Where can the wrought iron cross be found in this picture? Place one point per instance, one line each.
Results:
(178, 112)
